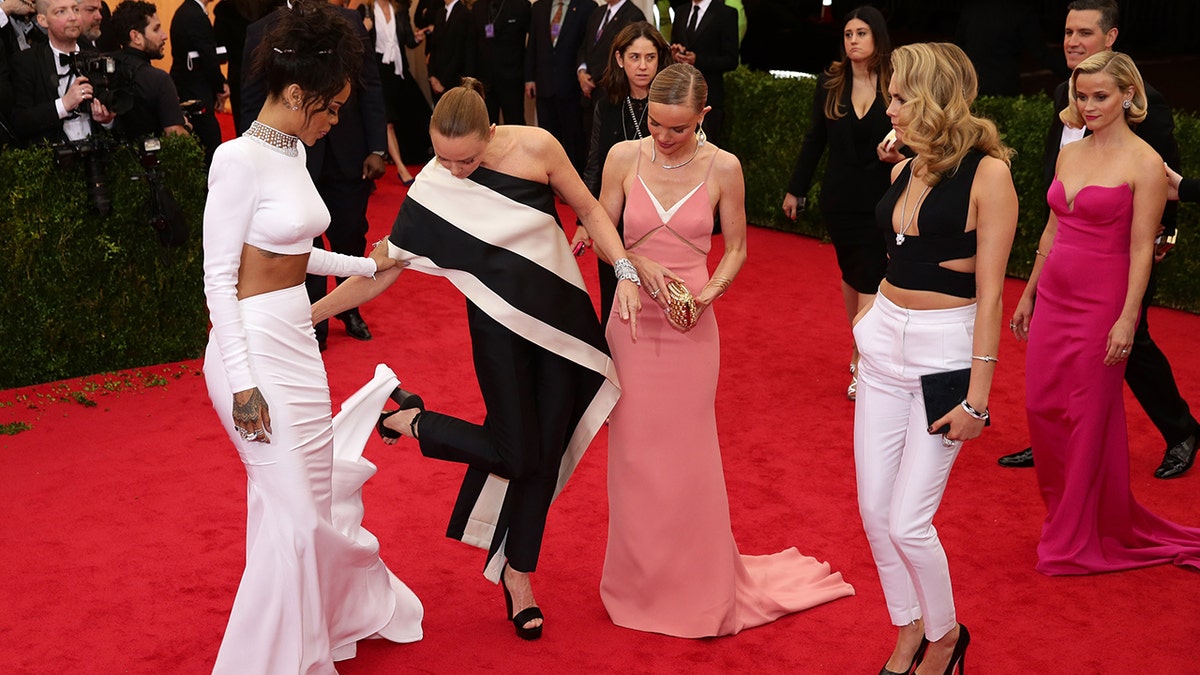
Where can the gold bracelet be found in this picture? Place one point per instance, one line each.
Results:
(720, 282)
(985, 359)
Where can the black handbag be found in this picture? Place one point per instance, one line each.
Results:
(942, 393)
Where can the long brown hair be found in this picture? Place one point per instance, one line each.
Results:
(613, 82)
(840, 71)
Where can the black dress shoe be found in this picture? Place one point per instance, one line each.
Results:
(1178, 459)
(1017, 460)
(355, 326)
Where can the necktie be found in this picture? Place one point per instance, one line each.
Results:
(691, 27)
(607, 16)
(556, 22)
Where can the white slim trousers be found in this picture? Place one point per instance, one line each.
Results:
(902, 469)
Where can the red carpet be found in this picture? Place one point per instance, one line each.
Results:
(124, 522)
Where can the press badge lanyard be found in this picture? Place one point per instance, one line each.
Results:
(489, 30)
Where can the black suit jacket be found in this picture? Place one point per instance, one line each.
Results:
(1158, 129)
(35, 87)
(501, 59)
(452, 45)
(362, 122)
(552, 66)
(715, 44)
(594, 53)
(191, 31)
(405, 35)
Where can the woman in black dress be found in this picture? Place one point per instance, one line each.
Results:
(849, 117)
(639, 51)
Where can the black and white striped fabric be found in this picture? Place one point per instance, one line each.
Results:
(498, 239)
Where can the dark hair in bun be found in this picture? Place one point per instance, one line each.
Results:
(313, 46)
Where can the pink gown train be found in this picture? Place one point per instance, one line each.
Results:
(672, 565)
(1075, 403)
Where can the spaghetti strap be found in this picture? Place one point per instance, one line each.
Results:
(711, 164)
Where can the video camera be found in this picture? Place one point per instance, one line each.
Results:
(162, 211)
(112, 84)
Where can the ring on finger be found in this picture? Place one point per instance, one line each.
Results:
(654, 293)
(946, 442)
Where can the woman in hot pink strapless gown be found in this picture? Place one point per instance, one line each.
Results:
(1098, 247)
(672, 565)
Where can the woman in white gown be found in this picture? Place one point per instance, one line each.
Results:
(314, 583)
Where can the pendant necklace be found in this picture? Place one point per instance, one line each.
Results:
(637, 125)
(904, 207)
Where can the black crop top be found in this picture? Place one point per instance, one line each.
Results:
(915, 264)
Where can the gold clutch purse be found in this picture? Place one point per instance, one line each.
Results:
(681, 306)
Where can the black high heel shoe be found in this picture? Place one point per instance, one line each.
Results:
(528, 614)
(407, 401)
(958, 658)
(920, 654)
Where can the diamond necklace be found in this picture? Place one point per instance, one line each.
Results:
(273, 138)
(904, 207)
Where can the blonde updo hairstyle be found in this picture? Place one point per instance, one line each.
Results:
(1123, 71)
(679, 84)
(461, 112)
(938, 85)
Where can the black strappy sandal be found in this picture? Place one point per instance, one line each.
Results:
(407, 401)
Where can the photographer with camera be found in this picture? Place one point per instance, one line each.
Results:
(55, 97)
(155, 107)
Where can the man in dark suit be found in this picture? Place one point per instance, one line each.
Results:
(17, 29)
(556, 32)
(196, 69)
(1091, 28)
(705, 35)
(53, 102)
(451, 47)
(596, 51)
(343, 165)
(502, 27)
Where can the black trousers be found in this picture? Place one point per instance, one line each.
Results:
(1149, 377)
(208, 131)
(532, 409)
(347, 232)
(562, 118)
(508, 97)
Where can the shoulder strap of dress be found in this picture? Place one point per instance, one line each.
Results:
(711, 164)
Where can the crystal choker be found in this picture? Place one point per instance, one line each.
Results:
(273, 138)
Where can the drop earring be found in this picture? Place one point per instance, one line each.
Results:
(701, 137)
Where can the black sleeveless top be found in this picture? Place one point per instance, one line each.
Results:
(915, 264)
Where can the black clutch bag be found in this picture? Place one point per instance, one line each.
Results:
(943, 392)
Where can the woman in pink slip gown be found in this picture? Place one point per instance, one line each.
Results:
(1092, 267)
(672, 565)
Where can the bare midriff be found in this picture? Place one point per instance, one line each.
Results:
(264, 271)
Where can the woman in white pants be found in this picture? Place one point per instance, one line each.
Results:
(953, 211)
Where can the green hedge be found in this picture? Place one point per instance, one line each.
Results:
(88, 294)
(767, 118)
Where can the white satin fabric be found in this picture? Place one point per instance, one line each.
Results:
(314, 583)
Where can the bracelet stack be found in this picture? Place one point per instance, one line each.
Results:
(722, 284)
(625, 271)
(973, 412)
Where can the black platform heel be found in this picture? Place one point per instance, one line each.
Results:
(406, 401)
(959, 658)
(528, 614)
(920, 654)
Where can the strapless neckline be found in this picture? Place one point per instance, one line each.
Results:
(1070, 204)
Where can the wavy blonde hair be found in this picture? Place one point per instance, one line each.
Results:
(1123, 72)
(938, 85)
